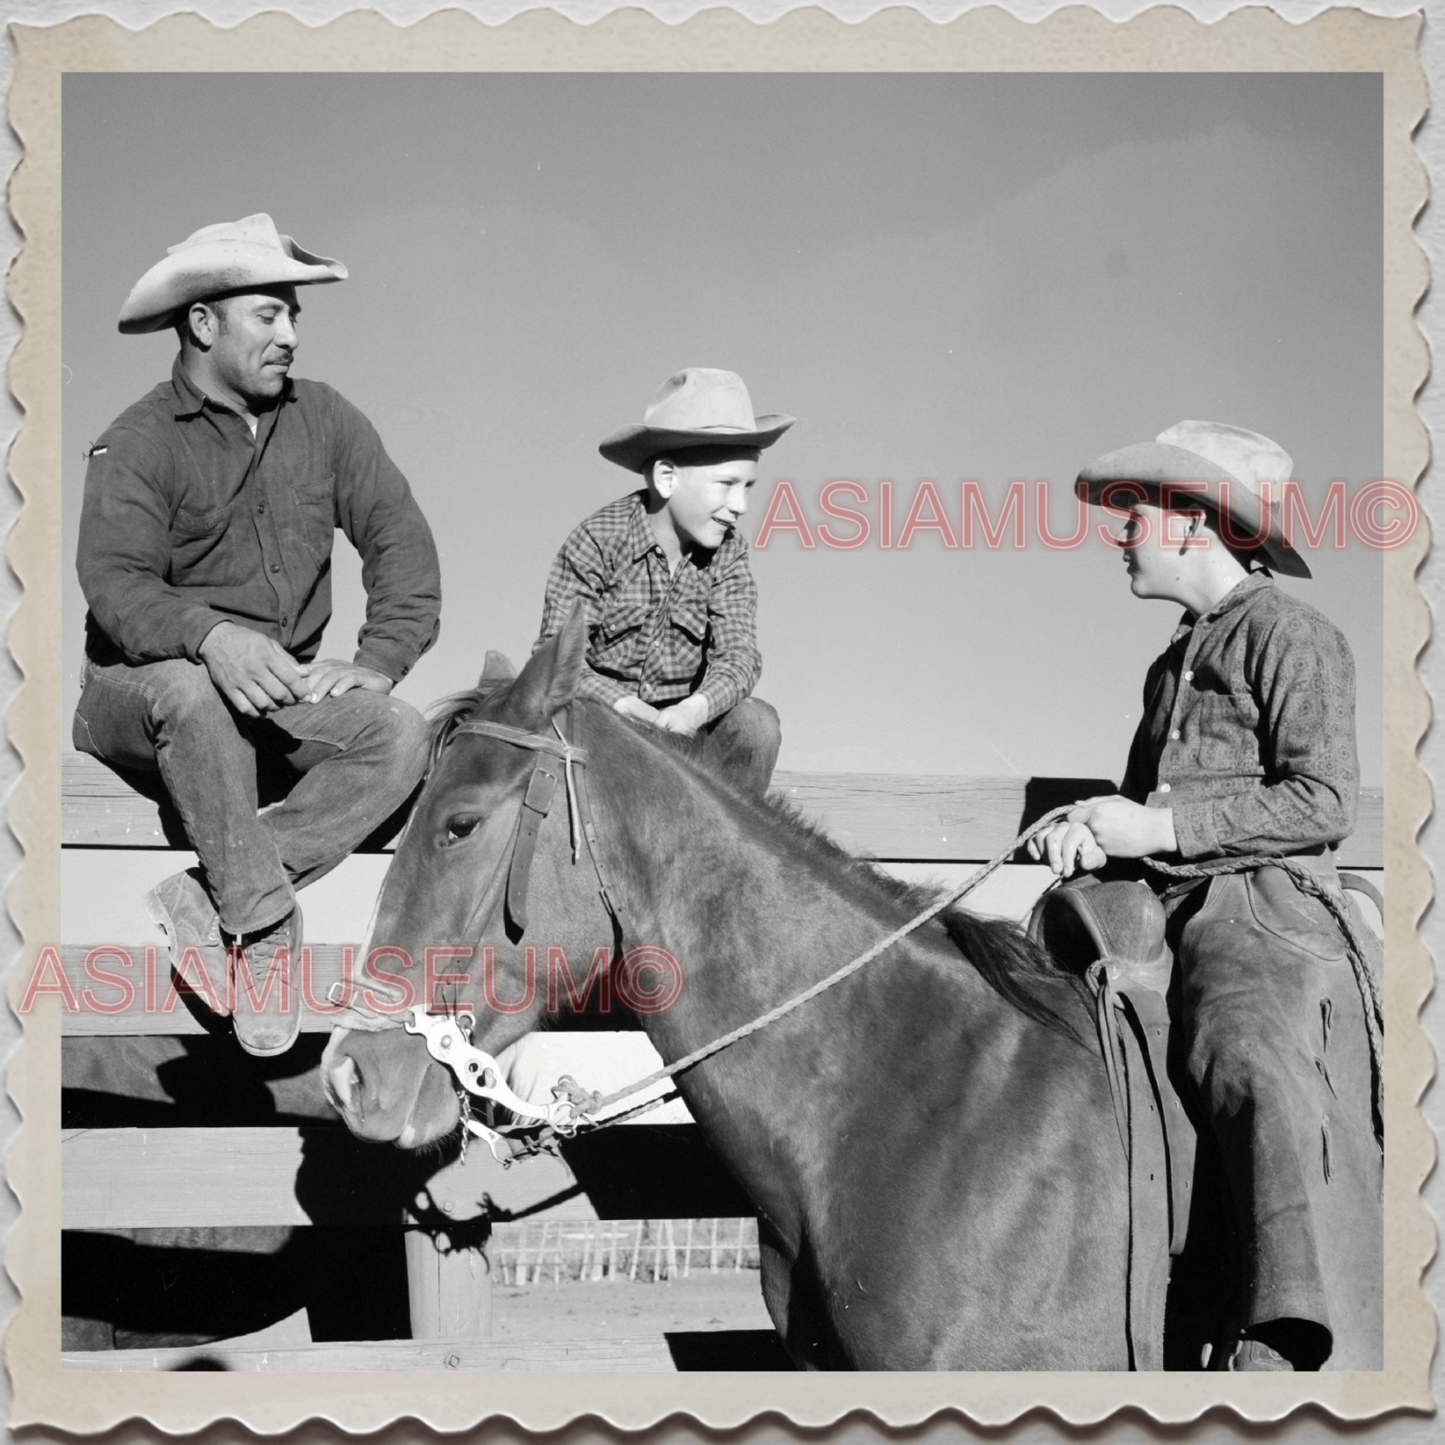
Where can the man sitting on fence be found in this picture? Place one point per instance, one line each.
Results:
(671, 602)
(205, 542)
(1246, 747)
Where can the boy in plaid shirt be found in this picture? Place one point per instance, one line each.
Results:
(671, 603)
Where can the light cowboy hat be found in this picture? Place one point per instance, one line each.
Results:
(1223, 467)
(697, 407)
(230, 256)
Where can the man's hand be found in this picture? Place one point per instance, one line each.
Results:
(684, 717)
(253, 673)
(634, 707)
(1101, 828)
(331, 677)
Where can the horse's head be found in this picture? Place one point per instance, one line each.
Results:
(453, 900)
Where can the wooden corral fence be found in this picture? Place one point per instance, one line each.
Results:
(463, 1224)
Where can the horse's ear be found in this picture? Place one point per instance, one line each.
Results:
(549, 680)
(496, 669)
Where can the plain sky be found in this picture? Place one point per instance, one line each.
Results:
(944, 277)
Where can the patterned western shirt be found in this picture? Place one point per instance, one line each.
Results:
(1248, 731)
(652, 634)
(178, 531)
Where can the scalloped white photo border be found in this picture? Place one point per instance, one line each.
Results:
(988, 38)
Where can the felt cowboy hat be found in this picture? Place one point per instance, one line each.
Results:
(1226, 468)
(697, 407)
(231, 256)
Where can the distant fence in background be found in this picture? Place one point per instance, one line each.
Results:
(584, 1251)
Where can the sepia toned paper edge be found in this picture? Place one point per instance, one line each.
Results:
(1074, 39)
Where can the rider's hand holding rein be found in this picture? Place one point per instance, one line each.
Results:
(1102, 828)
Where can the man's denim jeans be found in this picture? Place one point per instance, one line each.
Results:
(354, 760)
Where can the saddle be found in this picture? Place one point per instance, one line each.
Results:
(1113, 933)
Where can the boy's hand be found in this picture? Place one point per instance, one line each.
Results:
(1124, 829)
(1102, 828)
(630, 706)
(1067, 848)
(686, 716)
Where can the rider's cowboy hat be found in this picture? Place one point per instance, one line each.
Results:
(1223, 467)
(230, 257)
(697, 407)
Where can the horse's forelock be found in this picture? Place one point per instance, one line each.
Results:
(449, 713)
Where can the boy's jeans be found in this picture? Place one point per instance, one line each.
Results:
(747, 739)
(355, 759)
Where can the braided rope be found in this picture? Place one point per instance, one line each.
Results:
(1307, 882)
(798, 1000)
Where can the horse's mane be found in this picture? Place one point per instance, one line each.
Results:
(1000, 951)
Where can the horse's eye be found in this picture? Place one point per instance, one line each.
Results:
(462, 826)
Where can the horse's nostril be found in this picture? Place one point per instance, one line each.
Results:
(343, 1084)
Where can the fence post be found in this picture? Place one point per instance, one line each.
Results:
(541, 1253)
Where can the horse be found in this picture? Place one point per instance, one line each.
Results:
(931, 1145)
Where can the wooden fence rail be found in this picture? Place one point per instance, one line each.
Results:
(931, 818)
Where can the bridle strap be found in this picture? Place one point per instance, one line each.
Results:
(536, 803)
(535, 806)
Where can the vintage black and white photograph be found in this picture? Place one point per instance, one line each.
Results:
(723, 722)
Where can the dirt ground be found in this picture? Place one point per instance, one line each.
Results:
(574, 1310)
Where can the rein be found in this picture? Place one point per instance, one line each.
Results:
(783, 1009)
(574, 1109)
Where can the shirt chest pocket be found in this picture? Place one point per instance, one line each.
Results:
(1225, 733)
(316, 514)
(198, 551)
(622, 622)
(689, 616)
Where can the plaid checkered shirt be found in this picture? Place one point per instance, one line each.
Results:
(652, 634)
(1248, 731)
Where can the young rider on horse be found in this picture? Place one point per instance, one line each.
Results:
(1247, 747)
(671, 602)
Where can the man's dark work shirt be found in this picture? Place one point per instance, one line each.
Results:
(178, 533)
(1248, 731)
